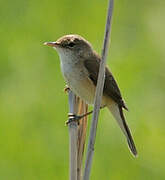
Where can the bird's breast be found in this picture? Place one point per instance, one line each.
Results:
(77, 79)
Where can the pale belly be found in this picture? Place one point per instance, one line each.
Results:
(82, 87)
(80, 84)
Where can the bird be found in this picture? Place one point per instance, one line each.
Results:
(80, 67)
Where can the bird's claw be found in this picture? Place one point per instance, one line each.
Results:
(76, 118)
(73, 118)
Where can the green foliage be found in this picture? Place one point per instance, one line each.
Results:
(33, 107)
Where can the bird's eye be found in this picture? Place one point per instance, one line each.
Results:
(71, 44)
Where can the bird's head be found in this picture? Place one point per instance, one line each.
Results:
(71, 46)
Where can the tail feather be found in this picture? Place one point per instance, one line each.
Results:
(117, 112)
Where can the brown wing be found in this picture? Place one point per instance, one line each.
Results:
(110, 86)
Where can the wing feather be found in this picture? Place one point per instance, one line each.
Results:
(111, 88)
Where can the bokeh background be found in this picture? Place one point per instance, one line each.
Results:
(33, 106)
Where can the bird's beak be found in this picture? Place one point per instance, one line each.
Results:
(52, 44)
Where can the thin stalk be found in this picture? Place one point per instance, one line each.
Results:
(82, 129)
(77, 135)
(73, 132)
(98, 94)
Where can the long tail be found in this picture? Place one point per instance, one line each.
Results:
(117, 112)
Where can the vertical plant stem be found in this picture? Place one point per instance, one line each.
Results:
(98, 95)
(73, 129)
(82, 129)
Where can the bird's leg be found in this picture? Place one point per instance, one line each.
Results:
(76, 118)
(73, 118)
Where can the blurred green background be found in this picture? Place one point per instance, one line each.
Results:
(33, 106)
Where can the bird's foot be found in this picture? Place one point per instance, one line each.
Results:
(73, 118)
(76, 118)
